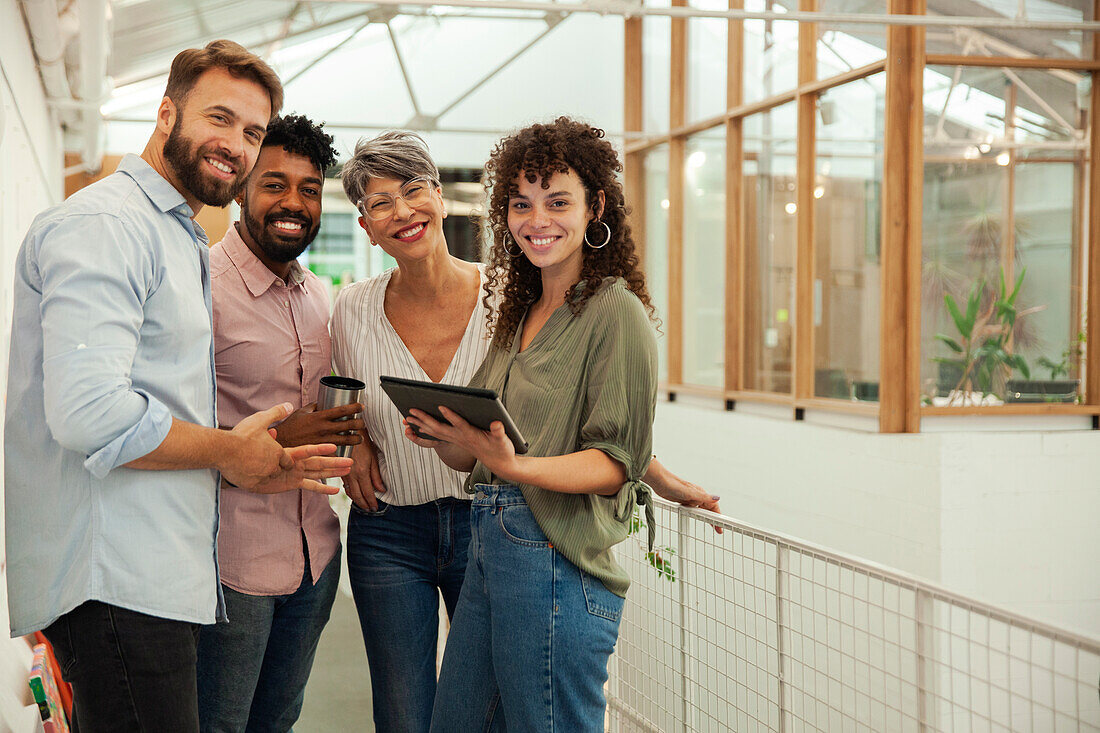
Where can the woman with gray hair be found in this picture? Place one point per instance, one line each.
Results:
(424, 319)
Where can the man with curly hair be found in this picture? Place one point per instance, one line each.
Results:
(279, 555)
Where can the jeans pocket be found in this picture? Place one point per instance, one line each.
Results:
(601, 602)
(519, 525)
(60, 638)
(383, 507)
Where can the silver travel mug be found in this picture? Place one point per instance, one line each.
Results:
(335, 391)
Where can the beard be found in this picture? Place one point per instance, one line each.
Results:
(186, 160)
(279, 247)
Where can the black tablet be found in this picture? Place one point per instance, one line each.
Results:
(479, 407)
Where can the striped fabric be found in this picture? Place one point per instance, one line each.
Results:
(588, 381)
(365, 346)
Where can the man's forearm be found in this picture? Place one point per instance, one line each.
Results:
(188, 446)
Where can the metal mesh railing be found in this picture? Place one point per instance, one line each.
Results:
(751, 630)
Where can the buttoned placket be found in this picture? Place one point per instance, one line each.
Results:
(292, 304)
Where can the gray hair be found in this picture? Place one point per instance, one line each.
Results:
(394, 154)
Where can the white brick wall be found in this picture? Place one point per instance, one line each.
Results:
(1008, 517)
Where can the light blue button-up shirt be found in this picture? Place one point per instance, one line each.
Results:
(111, 339)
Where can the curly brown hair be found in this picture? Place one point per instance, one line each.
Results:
(540, 151)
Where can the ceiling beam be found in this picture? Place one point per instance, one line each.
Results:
(632, 9)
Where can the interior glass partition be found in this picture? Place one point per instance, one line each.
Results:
(771, 53)
(656, 51)
(704, 248)
(843, 47)
(829, 261)
(706, 66)
(847, 239)
(770, 210)
(656, 245)
(965, 40)
(1005, 163)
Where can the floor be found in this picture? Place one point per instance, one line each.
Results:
(338, 693)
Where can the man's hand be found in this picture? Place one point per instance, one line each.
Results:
(307, 426)
(365, 478)
(256, 462)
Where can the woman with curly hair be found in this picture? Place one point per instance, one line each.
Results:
(574, 358)
(409, 528)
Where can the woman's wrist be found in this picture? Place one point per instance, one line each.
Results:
(514, 469)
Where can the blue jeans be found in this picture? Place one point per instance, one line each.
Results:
(252, 671)
(532, 635)
(400, 559)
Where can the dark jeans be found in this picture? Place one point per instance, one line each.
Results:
(129, 671)
(252, 671)
(399, 561)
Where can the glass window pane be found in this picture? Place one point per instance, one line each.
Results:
(770, 209)
(339, 248)
(841, 47)
(847, 186)
(704, 258)
(1013, 42)
(656, 245)
(1002, 200)
(656, 62)
(706, 73)
(771, 53)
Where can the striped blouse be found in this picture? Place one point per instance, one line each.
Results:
(366, 346)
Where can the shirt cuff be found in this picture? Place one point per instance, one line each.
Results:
(141, 439)
(636, 493)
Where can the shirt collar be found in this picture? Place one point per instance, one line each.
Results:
(162, 193)
(255, 274)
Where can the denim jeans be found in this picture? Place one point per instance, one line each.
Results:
(252, 671)
(532, 635)
(129, 671)
(400, 559)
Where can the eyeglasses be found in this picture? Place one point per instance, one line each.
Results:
(379, 206)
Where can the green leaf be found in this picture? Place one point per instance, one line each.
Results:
(1019, 282)
(973, 304)
(1021, 364)
(956, 316)
(951, 343)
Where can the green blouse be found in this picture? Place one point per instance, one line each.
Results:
(585, 381)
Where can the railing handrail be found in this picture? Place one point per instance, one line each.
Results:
(1078, 638)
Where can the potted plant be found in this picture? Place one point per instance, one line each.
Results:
(1059, 388)
(982, 351)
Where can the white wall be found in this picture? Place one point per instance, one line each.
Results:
(1007, 517)
(31, 162)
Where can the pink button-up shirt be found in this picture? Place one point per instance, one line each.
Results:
(271, 345)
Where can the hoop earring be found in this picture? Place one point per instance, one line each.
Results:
(509, 252)
(599, 246)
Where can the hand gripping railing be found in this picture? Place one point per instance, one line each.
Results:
(753, 630)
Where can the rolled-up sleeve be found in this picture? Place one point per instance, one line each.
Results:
(95, 276)
(622, 386)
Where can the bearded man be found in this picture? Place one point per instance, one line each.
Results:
(112, 454)
(279, 555)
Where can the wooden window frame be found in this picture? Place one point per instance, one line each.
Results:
(899, 408)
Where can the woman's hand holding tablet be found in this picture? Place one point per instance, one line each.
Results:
(478, 408)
